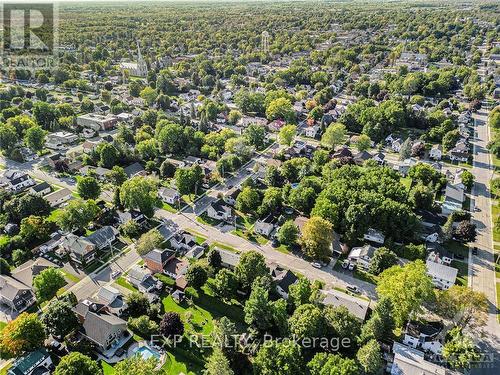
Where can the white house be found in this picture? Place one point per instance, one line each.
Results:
(283, 280)
(453, 200)
(311, 131)
(41, 189)
(361, 256)
(58, 197)
(424, 336)
(436, 152)
(396, 145)
(142, 279)
(58, 139)
(264, 226)
(443, 276)
(374, 235)
(16, 181)
(219, 211)
(169, 195)
(231, 195)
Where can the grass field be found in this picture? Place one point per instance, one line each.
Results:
(124, 283)
(2, 326)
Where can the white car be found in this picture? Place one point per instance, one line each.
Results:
(352, 289)
(316, 264)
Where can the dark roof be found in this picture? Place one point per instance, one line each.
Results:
(41, 187)
(133, 169)
(284, 278)
(343, 152)
(25, 364)
(218, 205)
(430, 329)
(159, 256)
(431, 217)
(363, 155)
(102, 236)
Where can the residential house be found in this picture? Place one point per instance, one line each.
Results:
(396, 144)
(16, 181)
(458, 154)
(168, 229)
(283, 279)
(96, 122)
(229, 259)
(107, 331)
(58, 197)
(453, 199)
(439, 255)
(182, 241)
(55, 159)
(379, 157)
(356, 306)
(195, 253)
(169, 195)
(57, 140)
(311, 131)
(15, 294)
(124, 216)
(231, 195)
(142, 279)
(443, 276)
(343, 152)
(424, 336)
(409, 361)
(80, 249)
(157, 259)
(134, 169)
(436, 152)
(362, 156)
(362, 256)
(112, 299)
(176, 268)
(374, 235)
(103, 237)
(264, 226)
(41, 189)
(37, 362)
(217, 210)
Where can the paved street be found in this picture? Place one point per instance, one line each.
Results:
(294, 263)
(482, 267)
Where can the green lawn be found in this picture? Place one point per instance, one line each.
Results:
(462, 272)
(406, 182)
(70, 276)
(457, 248)
(495, 212)
(168, 208)
(250, 236)
(225, 247)
(107, 369)
(282, 249)
(204, 219)
(2, 326)
(124, 283)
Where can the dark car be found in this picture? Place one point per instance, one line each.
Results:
(459, 256)
(275, 242)
(474, 250)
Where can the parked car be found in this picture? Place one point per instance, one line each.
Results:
(474, 250)
(275, 242)
(115, 274)
(352, 289)
(459, 256)
(316, 265)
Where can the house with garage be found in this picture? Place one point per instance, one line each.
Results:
(379, 157)
(134, 169)
(283, 279)
(361, 256)
(218, 210)
(169, 195)
(362, 156)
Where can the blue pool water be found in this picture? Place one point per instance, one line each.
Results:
(146, 352)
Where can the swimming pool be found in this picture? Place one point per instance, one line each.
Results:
(146, 352)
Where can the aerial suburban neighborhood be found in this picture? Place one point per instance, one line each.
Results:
(268, 187)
